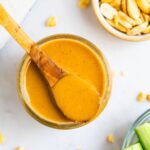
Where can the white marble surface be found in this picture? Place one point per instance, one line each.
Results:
(131, 58)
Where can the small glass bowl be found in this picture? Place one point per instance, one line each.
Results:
(51, 123)
(130, 137)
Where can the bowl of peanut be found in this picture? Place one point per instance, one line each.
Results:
(125, 19)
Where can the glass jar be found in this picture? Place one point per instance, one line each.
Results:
(23, 97)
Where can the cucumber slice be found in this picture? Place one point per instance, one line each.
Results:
(143, 133)
(135, 147)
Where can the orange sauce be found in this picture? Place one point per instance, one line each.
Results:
(75, 58)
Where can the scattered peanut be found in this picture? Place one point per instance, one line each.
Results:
(148, 97)
(110, 138)
(84, 3)
(1, 138)
(51, 21)
(141, 97)
(19, 148)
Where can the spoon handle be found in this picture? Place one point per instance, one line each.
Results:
(50, 70)
(14, 29)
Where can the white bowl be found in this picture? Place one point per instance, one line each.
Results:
(114, 31)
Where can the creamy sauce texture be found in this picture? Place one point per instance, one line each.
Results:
(73, 57)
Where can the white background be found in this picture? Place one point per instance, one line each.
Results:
(131, 58)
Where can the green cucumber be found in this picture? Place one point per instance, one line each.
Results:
(143, 133)
(135, 147)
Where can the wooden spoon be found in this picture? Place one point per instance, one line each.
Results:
(77, 99)
(49, 69)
